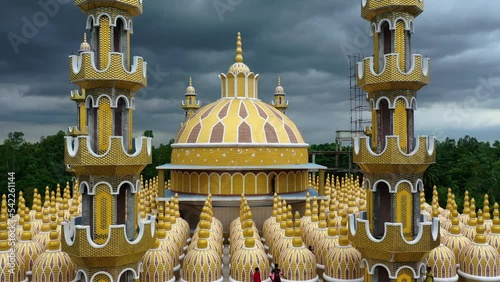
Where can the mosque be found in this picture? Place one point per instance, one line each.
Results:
(240, 177)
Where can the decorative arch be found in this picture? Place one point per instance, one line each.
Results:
(89, 102)
(124, 20)
(382, 21)
(135, 274)
(379, 100)
(407, 103)
(98, 19)
(91, 21)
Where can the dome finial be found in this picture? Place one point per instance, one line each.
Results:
(239, 50)
(190, 81)
(279, 81)
(85, 46)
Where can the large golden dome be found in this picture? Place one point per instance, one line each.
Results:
(239, 144)
(231, 120)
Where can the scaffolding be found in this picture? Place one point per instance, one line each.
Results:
(357, 98)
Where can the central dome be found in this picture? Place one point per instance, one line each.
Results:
(238, 144)
(234, 120)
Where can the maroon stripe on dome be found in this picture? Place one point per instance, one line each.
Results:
(193, 136)
(207, 111)
(243, 110)
(291, 135)
(217, 135)
(271, 135)
(244, 133)
(261, 111)
(276, 113)
(223, 111)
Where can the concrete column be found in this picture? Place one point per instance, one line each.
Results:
(161, 182)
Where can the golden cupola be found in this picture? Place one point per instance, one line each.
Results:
(478, 260)
(285, 242)
(54, 262)
(7, 256)
(322, 247)
(202, 263)
(279, 101)
(298, 262)
(270, 220)
(470, 229)
(494, 236)
(455, 240)
(443, 264)
(343, 261)
(247, 257)
(238, 144)
(190, 105)
(26, 247)
(157, 265)
(168, 247)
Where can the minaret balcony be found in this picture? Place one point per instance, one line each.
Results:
(372, 8)
(133, 7)
(85, 73)
(117, 160)
(391, 77)
(393, 246)
(75, 131)
(188, 105)
(118, 249)
(393, 159)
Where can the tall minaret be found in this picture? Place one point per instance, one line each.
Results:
(279, 98)
(108, 241)
(391, 235)
(190, 104)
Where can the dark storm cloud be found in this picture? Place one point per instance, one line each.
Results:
(304, 42)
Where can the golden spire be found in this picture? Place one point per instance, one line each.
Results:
(279, 81)
(4, 233)
(472, 215)
(495, 229)
(190, 81)
(27, 234)
(239, 50)
(54, 244)
(480, 238)
(486, 208)
(455, 227)
(343, 240)
(297, 240)
(332, 229)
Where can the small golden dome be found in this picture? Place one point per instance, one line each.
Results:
(202, 263)
(6, 256)
(286, 241)
(455, 241)
(442, 261)
(247, 258)
(239, 66)
(343, 261)
(53, 258)
(190, 91)
(28, 249)
(168, 246)
(319, 233)
(494, 237)
(157, 265)
(84, 47)
(470, 228)
(43, 237)
(298, 262)
(479, 259)
(279, 89)
(323, 246)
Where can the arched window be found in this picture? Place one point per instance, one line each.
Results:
(87, 207)
(94, 40)
(380, 274)
(119, 117)
(384, 124)
(119, 37)
(92, 125)
(385, 42)
(127, 276)
(382, 210)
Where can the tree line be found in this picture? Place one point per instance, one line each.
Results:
(463, 164)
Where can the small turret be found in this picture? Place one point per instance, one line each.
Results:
(279, 98)
(190, 104)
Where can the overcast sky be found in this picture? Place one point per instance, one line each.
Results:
(304, 42)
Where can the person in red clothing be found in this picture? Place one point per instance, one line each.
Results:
(256, 275)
